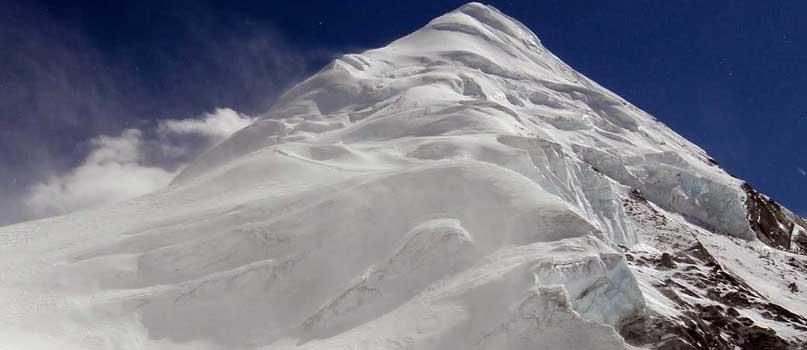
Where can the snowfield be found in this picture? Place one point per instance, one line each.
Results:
(460, 188)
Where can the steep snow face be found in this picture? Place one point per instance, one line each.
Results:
(459, 188)
(476, 71)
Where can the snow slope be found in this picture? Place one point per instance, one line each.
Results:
(459, 188)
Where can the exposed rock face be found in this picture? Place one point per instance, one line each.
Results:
(709, 299)
(715, 309)
(773, 224)
(705, 327)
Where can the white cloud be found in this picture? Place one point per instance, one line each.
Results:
(802, 171)
(123, 167)
(111, 172)
(217, 126)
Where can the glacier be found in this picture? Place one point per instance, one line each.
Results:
(459, 188)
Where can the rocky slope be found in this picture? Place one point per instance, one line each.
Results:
(459, 188)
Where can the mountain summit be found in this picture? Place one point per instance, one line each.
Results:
(459, 188)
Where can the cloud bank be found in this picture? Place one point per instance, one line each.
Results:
(132, 164)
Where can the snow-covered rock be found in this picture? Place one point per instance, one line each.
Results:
(461, 187)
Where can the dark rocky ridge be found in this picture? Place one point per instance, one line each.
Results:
(773, 224)
(714, 304)
(706, 326)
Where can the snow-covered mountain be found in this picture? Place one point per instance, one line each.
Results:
(460, 188)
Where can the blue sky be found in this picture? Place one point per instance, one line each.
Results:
(728, 75)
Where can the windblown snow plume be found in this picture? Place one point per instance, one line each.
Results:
(132, 164)
(112, 172)
(216, 126)
(460, 188)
